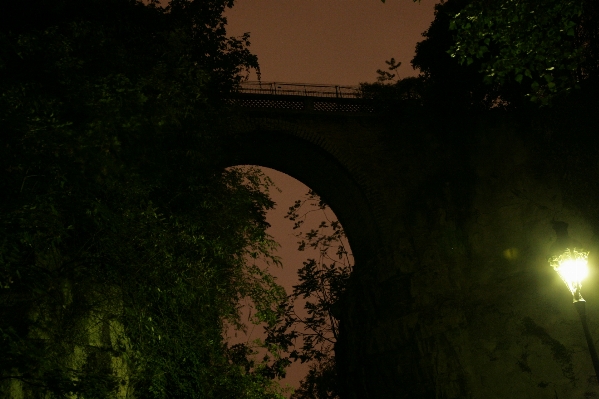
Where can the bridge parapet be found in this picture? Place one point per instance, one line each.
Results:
(302, 98)
(301, 104)
(300, 89)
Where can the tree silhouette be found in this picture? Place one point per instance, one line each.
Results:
(538, 49)
(123, 244)
(322, 282)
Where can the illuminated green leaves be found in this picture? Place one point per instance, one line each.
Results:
(521, 40)
(115, 231)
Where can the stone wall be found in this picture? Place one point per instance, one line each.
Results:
(470, 230)
(458, 300)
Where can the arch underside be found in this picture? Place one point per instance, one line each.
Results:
(317, 169)
(315, 166)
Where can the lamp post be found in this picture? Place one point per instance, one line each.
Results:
(571, 265)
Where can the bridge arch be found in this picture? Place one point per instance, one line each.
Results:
(311, 159)
(432, 283)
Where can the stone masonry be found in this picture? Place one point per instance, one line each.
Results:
(450, 220)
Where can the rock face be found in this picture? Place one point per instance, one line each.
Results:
(464, 304)
(452, 294)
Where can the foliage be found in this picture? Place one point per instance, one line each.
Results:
(385, 76)
(549, 46)
(123, 246)
(403, 89)
(450, 84)
(321, 283)
(390, 93)
(321, 381)
(444, 84)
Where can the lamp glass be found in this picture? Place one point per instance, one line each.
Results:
(572, 268)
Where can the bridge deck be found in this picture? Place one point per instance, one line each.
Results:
(300, 97)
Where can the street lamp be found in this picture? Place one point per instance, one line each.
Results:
(571, 265)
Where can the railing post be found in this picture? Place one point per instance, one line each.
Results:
(308, 104)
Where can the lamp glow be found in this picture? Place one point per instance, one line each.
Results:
(572, 268)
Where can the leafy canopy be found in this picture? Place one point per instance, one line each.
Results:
(550, 47)
(123, 244)
(529, 42)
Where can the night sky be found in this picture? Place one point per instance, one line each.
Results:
(339, 42)
(282, 230)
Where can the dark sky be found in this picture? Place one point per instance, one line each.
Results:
(339, 42)
(282, 230)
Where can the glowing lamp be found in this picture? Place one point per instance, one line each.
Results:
(572, 267)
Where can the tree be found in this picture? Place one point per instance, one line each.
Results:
(548, 47)
(123, 245)
(385, 76)
(443, 84)
(322, 282)
(450, 83)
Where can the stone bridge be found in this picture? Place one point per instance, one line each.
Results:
(449, 216)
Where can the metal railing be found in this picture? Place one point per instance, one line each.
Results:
(299, 89)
